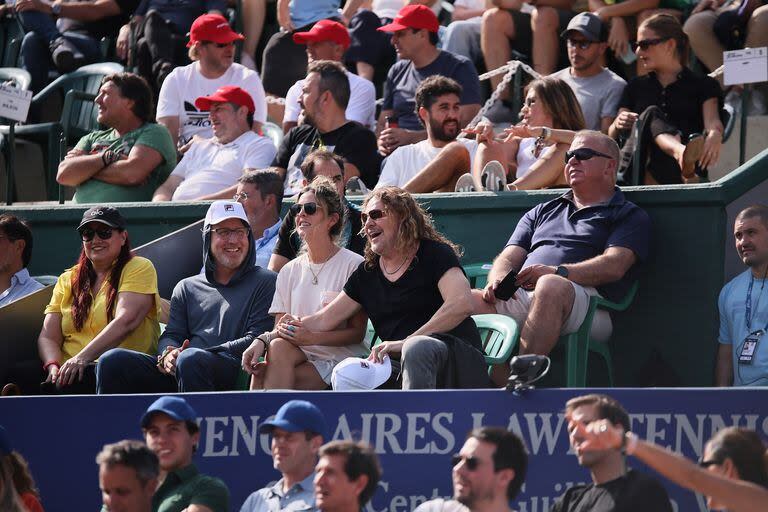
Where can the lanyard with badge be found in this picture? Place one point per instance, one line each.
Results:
(749, 346)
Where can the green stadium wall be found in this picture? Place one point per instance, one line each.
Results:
(669, 334)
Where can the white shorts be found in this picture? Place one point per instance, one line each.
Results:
(519, 306)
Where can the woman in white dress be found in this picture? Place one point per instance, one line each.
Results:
(296, 358)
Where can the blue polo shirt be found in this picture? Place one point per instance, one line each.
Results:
(558, 233)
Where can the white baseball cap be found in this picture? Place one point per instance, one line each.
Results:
(355, 373)
(222, 210)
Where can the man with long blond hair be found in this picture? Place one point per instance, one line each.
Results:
(415, 293)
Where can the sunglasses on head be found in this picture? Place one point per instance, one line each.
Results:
(87, 234)
(470, 463)
(374, 214)
(309, 208)
(647, 43)
(584, 154)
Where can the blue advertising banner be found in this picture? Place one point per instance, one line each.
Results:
(415, 433)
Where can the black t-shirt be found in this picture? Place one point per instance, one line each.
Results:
(352, 141)
(289, 242)
(633, 492)
(398, 309)
(681, 100)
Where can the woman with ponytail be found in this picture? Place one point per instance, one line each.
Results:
(108, 299)
(679, 109)
(732, 473)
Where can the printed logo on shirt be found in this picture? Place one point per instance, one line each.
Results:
(198, 118)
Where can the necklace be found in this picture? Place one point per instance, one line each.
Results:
(316, 275)
(384, 268)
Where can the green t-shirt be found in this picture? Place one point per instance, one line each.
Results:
(185, 487)
(151, 135)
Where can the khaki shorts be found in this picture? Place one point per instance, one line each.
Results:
(518, 309)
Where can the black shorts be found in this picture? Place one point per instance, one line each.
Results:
(523, 42)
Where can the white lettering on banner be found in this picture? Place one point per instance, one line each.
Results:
(477, 419)
(249, 437)
(443, 431)
(535, 435)
(211, 436)
(414, 432)
(384, 433)
(683, 426)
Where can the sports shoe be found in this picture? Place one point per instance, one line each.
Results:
(692, 154)
(10, 389)
(494, 177)
(465, 183)
(66, 56)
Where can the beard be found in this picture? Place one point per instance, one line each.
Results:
(440, 132)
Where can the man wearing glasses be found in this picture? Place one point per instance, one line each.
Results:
(488, 473)
(597, 88)
(212, 50)
(589, 241)
(211, 167)
(214, 317)
(614, 486)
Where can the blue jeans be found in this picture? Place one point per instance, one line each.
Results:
(125, 371)
(36, 46)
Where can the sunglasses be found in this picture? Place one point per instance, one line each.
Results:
(220, 45)
(87, 234)
(309, 208)
(706, 463)
(374, 214)
(582, 154)
(582, 44)
(471, 463)
(647, 43)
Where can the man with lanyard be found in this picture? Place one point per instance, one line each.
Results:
(171, 431)
(296, 432)
(742, 359)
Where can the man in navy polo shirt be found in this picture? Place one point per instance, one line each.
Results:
(586, 242)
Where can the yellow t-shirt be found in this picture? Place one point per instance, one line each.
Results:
(139, 276)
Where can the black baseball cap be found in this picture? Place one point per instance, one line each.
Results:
(104, 214)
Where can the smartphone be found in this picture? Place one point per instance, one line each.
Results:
(507, 287)
(629, 56)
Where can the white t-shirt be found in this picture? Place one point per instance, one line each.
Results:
(470, 4)
(387, 8)
(361, 107)
(405, 162)
(185, 84)
(295, 294)
(209, 167)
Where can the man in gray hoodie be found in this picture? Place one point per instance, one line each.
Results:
(214, 317)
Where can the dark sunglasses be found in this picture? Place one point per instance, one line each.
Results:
(582, 154)
(470, 463)
(220, 45)
(309, 208)
(647, 43)
(374, 214)
(87, 234)
(706, 463)
(581, 44)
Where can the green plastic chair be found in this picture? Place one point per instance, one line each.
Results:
(578, 344)
(499, 334)
(477, 275)
(11, 36)
(78, 117)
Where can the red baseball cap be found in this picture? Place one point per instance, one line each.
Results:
(214, 28)
(227, 94)
(324, 30)
(413, 16)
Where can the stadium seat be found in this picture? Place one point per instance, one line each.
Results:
(274, 132)
(499, 334)
(477, 274)
(78, 117)
(20, 79)
(578, 344)
(11, 35)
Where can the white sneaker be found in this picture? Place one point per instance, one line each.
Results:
(494, 177)
(465, 183)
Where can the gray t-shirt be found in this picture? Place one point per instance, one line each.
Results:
(598, 95)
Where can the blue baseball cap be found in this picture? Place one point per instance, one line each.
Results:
(297, 416)
(5, 442)
(175, 407)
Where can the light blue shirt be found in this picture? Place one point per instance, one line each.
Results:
(733, 327)
(21, 285)
(265, 245)
(300, 497)
(304, 12)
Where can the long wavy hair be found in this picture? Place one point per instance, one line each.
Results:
(560, 102)
(9, 498)
(415, 223)
(22, 477)
(83, 279)
(745, 449)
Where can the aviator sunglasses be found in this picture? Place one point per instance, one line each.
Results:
(87, 234)
(647, 43)
(470, 463)
(582, 154)
(309, 208)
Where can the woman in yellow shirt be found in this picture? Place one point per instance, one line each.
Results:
(108, 299)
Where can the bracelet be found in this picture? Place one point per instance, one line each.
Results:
(266, 339)
(546, 133)
(52, 362)
(629, 443)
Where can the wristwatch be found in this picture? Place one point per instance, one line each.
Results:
(561, 271)
(56, 8)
